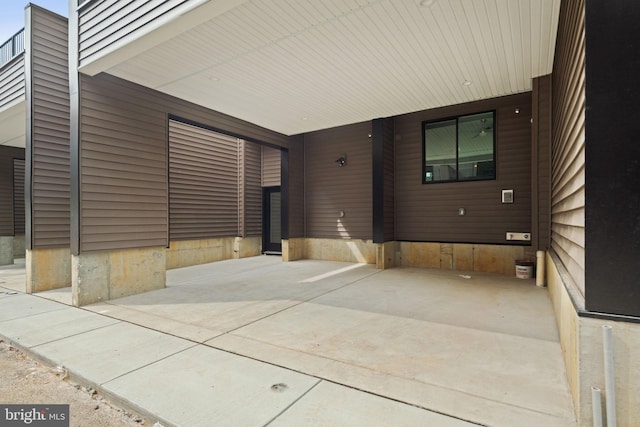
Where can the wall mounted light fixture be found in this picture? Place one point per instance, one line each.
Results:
(342, 160)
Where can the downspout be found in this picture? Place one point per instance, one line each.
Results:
(609, 376)
(596, 403)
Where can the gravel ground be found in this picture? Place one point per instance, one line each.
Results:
(25, 381)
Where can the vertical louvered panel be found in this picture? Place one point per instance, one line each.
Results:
(331, 189)
(7, 156)
(252, 190)
(270, 167)
(429, 212)
(18, 196)
(203, 183)
(123, 156)
(568, 153)
(12, 83)
(295, 185)
(389, 178)
(49, 104)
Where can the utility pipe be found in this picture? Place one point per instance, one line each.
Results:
(609, 376)
(596, 403)
(540, 268)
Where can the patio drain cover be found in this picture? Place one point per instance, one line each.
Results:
(280, 387)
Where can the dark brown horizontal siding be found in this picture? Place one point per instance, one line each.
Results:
(429, 212)
(123, 193)
(12, 83)
(49, 142)
(124, 163)
(568, 145)
(106, 22)
(295, 177)
(252, 206)
(203, 183)
(389, 180)
(7, 156)
(270, 167)
(331, 189)
(18, 196)
(542, 162)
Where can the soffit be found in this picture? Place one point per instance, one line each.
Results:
(295, 66)
(12, 125)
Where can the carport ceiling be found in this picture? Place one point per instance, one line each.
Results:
(295, 66)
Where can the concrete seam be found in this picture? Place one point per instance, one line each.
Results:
(301, 302)
(292, 403)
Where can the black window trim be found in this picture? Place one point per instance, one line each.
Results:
(456, 118)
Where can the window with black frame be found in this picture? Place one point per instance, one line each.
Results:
(459, 148)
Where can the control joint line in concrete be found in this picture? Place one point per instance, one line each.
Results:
(149, 364)
(300, 303)
(293, 403)
(78, 333)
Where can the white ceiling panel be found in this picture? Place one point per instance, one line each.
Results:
(13, 130)
(299, 65)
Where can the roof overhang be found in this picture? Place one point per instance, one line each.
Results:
(13, 128)
(299, 66)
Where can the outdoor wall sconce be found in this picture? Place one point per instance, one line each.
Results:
(342, 160)
(462, 211)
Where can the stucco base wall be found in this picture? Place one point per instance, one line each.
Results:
(581, 341)
(18, 246)
(6, 250)
(183, 253)
(101, 276)
(293, 249)
(346, 250)
(47, 269)
(460, 256)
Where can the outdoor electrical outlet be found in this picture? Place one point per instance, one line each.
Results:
(518, 236)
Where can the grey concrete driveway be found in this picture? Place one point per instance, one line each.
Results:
(257, 341)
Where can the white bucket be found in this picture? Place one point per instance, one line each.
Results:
(524, 269)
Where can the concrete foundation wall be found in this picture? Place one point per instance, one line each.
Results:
(182, 253)
(245, 247)
(292, 249)
(47, 269)
(6, 250)
(581, 340)
(18, 246)
(460, 256)
(386, 255)
(346, 250)
(101, 276)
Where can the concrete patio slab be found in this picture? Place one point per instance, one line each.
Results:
(14, 306)
(482, 348)
(241, 296)
(12, 277)
(100, 355)
(202, 386)
(330, 404)
(46, 327)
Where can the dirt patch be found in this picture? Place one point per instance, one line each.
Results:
(25, 381)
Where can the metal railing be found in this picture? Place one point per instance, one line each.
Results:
(12, 47)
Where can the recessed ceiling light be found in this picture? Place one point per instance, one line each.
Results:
(427, 3)
(466, 83)
(304, 118)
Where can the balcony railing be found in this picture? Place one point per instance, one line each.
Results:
(12, 47)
